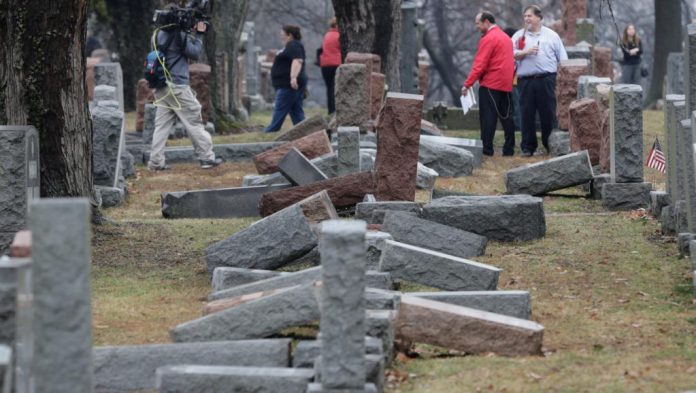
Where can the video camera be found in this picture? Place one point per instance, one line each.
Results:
(184, 18)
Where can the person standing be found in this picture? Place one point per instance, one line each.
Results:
(329, 61)
(494, 68)
(176, 99)
(538, 51)
(289, 79)
(632, 50)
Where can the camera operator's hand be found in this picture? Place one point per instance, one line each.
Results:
(201, 27)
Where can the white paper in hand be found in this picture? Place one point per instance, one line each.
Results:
(468, 101)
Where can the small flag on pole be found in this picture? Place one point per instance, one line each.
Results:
(656, 158)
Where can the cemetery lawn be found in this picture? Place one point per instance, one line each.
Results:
(614, 297)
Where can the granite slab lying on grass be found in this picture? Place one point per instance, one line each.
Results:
(220, 379)
(555, 174)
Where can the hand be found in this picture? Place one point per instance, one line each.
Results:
(201, 27)
(465, 90)
(293, 83)
(633, 51)
(533, 50)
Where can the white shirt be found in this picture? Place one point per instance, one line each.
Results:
(551, 52)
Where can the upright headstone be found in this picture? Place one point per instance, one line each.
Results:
(377, 81)
(107, 123)
(62, 316)
(342, 305)
(19, 179)
(671, 135)
(675, 73)
(585, 131)
(572, 10)
(397, 147)
(626, 133)
(110, 74)
(149, 123)
(348, 150)
(408, 66)
(688, 171)
(585, 30)
(351, 95)
(567, 87)
(373, 63)
(601, 62)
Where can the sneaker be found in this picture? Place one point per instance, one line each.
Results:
(157, 168)
(207, 164)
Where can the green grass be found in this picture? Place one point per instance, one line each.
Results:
(616, 301)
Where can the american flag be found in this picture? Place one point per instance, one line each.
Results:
(656, 158)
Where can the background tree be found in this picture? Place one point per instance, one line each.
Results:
(42, 83)
(372, 27)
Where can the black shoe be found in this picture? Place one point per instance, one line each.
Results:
(509, 154)
(207, 164)
(489, 154)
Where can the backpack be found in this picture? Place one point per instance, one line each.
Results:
(154, 71)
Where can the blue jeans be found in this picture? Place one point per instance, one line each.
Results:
(287, 101)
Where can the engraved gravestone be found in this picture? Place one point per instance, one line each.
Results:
(19, 178)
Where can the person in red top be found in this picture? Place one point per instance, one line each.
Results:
(494, 67)
(329, 61)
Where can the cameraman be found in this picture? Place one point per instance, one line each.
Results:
(178, 100)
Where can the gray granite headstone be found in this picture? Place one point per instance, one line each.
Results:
(446, 160)
(342, 305)
(408, 64)
(578, 52)
(559, 143)
(690, 69)
(550, 175)
(149, 123)
(299, 170)
(19, 179)
(348, 150)
(626, 133)
(351, 95)
(218, 379)
(104, 93)
(62, 310)
(672, 129)
(5, 368)
(107, 143)
(474, 146)
(675, 73)
(626, 196)
(112, 75)
(687, 171)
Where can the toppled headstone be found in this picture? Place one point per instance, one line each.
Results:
(436, 269)
(177, 379)
(473, 146)
(550, 175)
(228, 277)
(307, 351)
(585, 131)
(626, 196)
(298, 169)
(348, 150)
(559, 143)
(258, 318)
(626, 125)
(397, 147)
(306, 127)
(110, 196)
(352, 95)
(312, 146)
(515, 304)
(409, 229)
(428, 128)
(503, 218)
(132, 368)
(284, 280)
(344, 191)
(426, 177)
(267, 244)
(567, 87)
(373, 212)
(466, 329)
(447, 160)
(375, 244)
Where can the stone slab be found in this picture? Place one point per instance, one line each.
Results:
(375, 245)
(255, 319)
(626, 196)
(466, 329)
(446, 160)
(436, 269)
(555, 174)
(215, 203)
(283, 280)
(473, 146)
(517, 304)
(373, 212)
(378, 280)
(6, 368)
(317, 388)
(344, 191)
(658, 200)
(306, 127)
(306, 351)
(229, 277)
(380, 324)
(352, 95)
(312, 146)
(559, 143)
(349, 145)
(626, 133)
(299, 170)
(671, 118)
(596, 185)
(406, 228)
(668, 221)
(110, 196)
(396, 163)
(267, 244)
(425, 177)
(221, 379)
(503, 218)
(132, 368)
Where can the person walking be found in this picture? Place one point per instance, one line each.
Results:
(538, 51)
(632, 49)
(176, 99)
(494, 67)
(329, 61)
(289, 79)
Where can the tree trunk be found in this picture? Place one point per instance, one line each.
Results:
(372, 27)
(222, 41)
(131, 24)
(42, 83)
(668, 38)
(442, 54)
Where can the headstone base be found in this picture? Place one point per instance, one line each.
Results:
(626, 196)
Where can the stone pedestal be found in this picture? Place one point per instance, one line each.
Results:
(626, 133)
(408, 65)
(110, 74)
(352, 98)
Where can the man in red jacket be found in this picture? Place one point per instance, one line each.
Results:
(494, 67)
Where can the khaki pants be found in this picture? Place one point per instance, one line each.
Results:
(190, 117)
